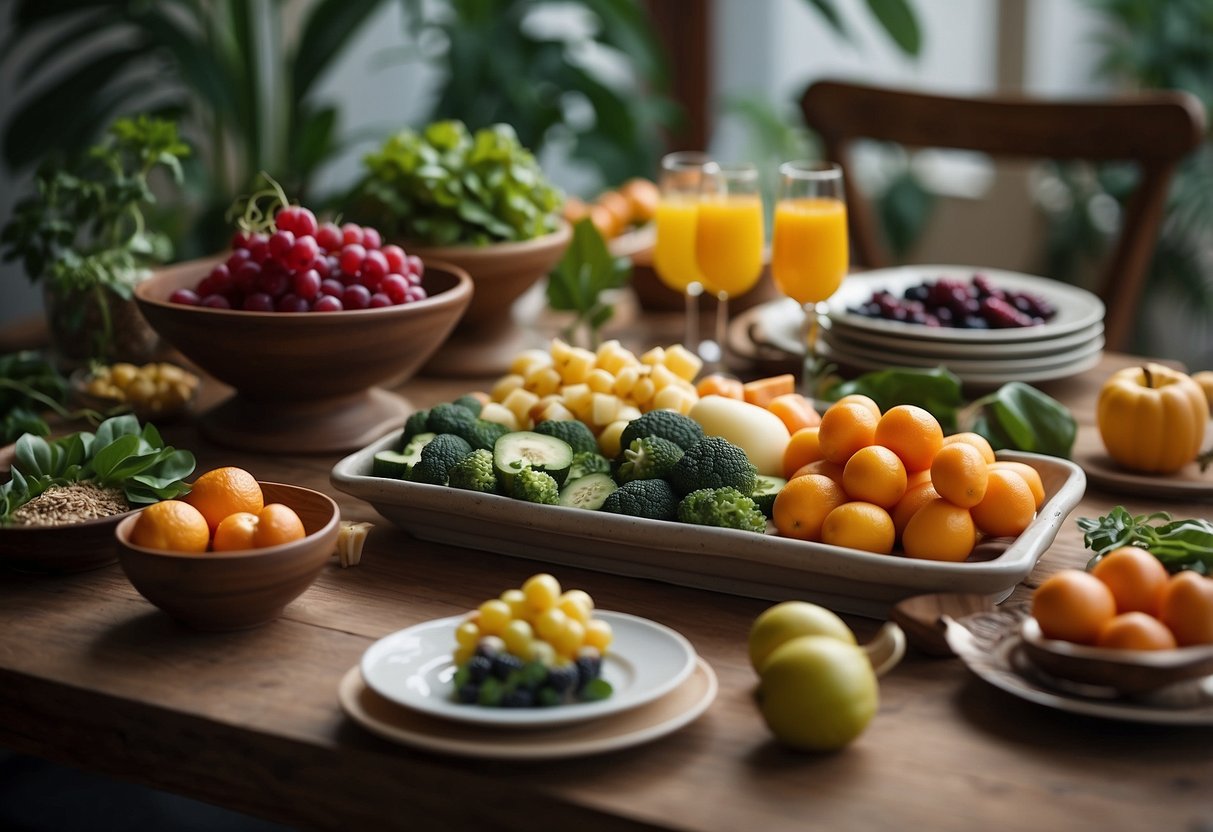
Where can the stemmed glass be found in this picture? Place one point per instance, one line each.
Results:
(729, 236)
(810, 254)
(676, 217)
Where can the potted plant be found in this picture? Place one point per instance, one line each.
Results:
(83, 235)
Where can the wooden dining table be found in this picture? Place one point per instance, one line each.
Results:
(95, 677)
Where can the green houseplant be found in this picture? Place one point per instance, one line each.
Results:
(84, 237)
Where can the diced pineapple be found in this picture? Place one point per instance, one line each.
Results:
(674, 397)
(682, 362)
(520, 402)
(604, 408)
(579, 399)
(625, 380)
(628, 412)
(643, 392)
(505, 385)
(612, 357)
(576, 365)
(559, 350)
(600, 381)
(608, 439)
(528, 360)
(543, 381)
(499, 413)
(662, 377)
(556, 411)
(653, 357)
(538, 408)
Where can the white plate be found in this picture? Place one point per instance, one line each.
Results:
(1076, 308)
(1016, 365)
(986, 378)
(944, 350)
(414, 668)
(722, 560)
(646, 723)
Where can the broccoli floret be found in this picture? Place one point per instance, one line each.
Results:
(651, 499)
(648, 458)
(586, 463)
(724, 507)
(713, 462)
(683, 431)
(414, 425)
(483, 434)
(474, 473)
(438, 457)
(469, 402)
(576, 433)
(535, 487)
(450, 418)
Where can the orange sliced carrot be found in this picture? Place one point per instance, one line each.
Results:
(762, 391)
(718, 385)
(795, 411)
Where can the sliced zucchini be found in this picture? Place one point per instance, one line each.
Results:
(765, 492)
(527, 449)
(589, 491)
(397, 464)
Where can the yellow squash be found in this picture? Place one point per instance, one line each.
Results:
(1152, 418)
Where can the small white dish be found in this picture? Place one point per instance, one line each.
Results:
(1017, 365)
(414, 667)
(940, 351)
(642, 724)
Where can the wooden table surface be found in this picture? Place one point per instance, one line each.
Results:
(93, 676)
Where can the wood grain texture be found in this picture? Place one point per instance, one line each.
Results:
(94, 676)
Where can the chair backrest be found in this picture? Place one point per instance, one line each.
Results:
(1154, 130)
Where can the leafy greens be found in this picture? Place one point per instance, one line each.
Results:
(1178, 544)
(583, 274)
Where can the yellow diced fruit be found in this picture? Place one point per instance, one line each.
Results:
(605, 409)
(628, 412)
(556, 412)
(682, 362)
(608, 439)
(653, 357)
(528, 361)
(123, 374)
(576, 366)
(578, 398)
(559, 351)
(674, 397)
(612, 357)
(505, 385)
(662, 377)
(625, 380)
(643, 392)
(543, 381)
(535, 414)
(521, 401)
(600, 381)
(499, 413)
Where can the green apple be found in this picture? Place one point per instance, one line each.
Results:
(788, 620)
(817, 693)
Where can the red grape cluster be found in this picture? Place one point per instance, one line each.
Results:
(978, 304)
(302, 266)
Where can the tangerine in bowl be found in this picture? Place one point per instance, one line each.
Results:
(235, 588)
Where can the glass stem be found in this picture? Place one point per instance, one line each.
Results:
(812, 358)
(691, 341)
(722, 324)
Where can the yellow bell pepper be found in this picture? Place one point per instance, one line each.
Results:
(1152, 418)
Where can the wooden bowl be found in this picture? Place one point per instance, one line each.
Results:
(235, 590)
(60, 549)
(306, 382)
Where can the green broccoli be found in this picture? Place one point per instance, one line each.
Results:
(483, 434)
(651, 499)
(469, 402)
(535, 487)
(647, 458)
(474, 473)
(576, 433)
(588, 462)
(727, 508)
(683, 431)
(438, 457)
(415, 424)
(713, 462)
(450, 418)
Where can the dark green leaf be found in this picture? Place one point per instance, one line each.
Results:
(898, 19)
(33, 455)
(832, 17)
(1023, 418)
(937, 391)
(330, 26)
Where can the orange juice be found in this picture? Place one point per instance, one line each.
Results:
(674, 254)
(728, 243)
(809, 257)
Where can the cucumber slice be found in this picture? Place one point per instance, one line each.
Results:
(765, 492)
(397, 464)
(527, 449)
(589, 491)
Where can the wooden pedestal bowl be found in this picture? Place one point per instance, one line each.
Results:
(306, 382)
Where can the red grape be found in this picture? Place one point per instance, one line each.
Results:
(321, 266)
(374, 268)
(306, 284)
(414, 293)
(258, 302)
(221, 278)
(240, 239)
(302, 253)
(236, 258)
(396, 261)
(216, 302)
(394, 286)
(305, 222)
(327, 303)
(356, 296)
(246, 277)
(379, 300)
(332, 286)
(185, 296)
(290, 302)
(273, 282)
(370, 237)
(260, 252)
(351, 233)
(415, 265)
(329, 237)
(280, 243)
(351, 259)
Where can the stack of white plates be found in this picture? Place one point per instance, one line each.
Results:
(1067, 344)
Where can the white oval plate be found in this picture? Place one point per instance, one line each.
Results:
(414, 667)
(944, 350)
(961, 366)
(988, 377)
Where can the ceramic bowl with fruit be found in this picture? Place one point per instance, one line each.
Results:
(244, 570)
(307, 321)
(157, 392)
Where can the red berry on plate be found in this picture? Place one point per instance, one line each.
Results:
(351, 233)
(374, 268)
(187, 297)
(280, 243)
(236, 258)
(305, 222)
(329, 237)
(221, 278)
(260, 251)
(394, 286)
(327, 303)
(370, 237)
(245, 277)
(240, 239)
(356, 296)
(302, 253)
(306, 284)
(274, 282)
(206, 286)
(290, 302)
(216, 302)
(258, 302)
(331, 286)
(351, 259)
(415, 265)
(414, 293)
(379, 300)
(396, 261)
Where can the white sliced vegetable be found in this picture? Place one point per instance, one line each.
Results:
(760, 433)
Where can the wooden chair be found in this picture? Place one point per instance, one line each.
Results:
(1153, 130)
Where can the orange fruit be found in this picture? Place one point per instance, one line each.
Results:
(277, 524)
(235, 532)
(845, 428)
(1135, 577)
(801, 449)
(1186, 607)
(959, 474)
(1007, 507)
(876, 475)
(915, 498)
(939, 530)
(917, 478)
(1073, 605)
(976, 440)
(1031, 477)
(225, 491)
(802, 505)
(859, 525)
(1135, 631)
(171, 525)
(858, 398)
(912, 433)
(822, 466)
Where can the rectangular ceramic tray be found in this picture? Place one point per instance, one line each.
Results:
(722, 560)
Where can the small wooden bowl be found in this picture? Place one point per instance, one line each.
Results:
(60, 549)
(235, 590)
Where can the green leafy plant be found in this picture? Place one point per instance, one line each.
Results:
(446, 186)
(1178, 544)
(586, 271)
(29, 385)
(121, 455)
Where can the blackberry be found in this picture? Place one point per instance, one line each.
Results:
(562, 678)
(504, 664)
(518, 698)
(468, 694)
(479, 668)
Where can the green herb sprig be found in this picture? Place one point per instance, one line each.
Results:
(1178, 544)
(586, 270)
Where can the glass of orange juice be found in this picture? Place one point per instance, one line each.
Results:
(729, 236)
(675, 219)
(809, 249)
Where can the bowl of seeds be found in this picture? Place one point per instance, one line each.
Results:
(64, 497)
